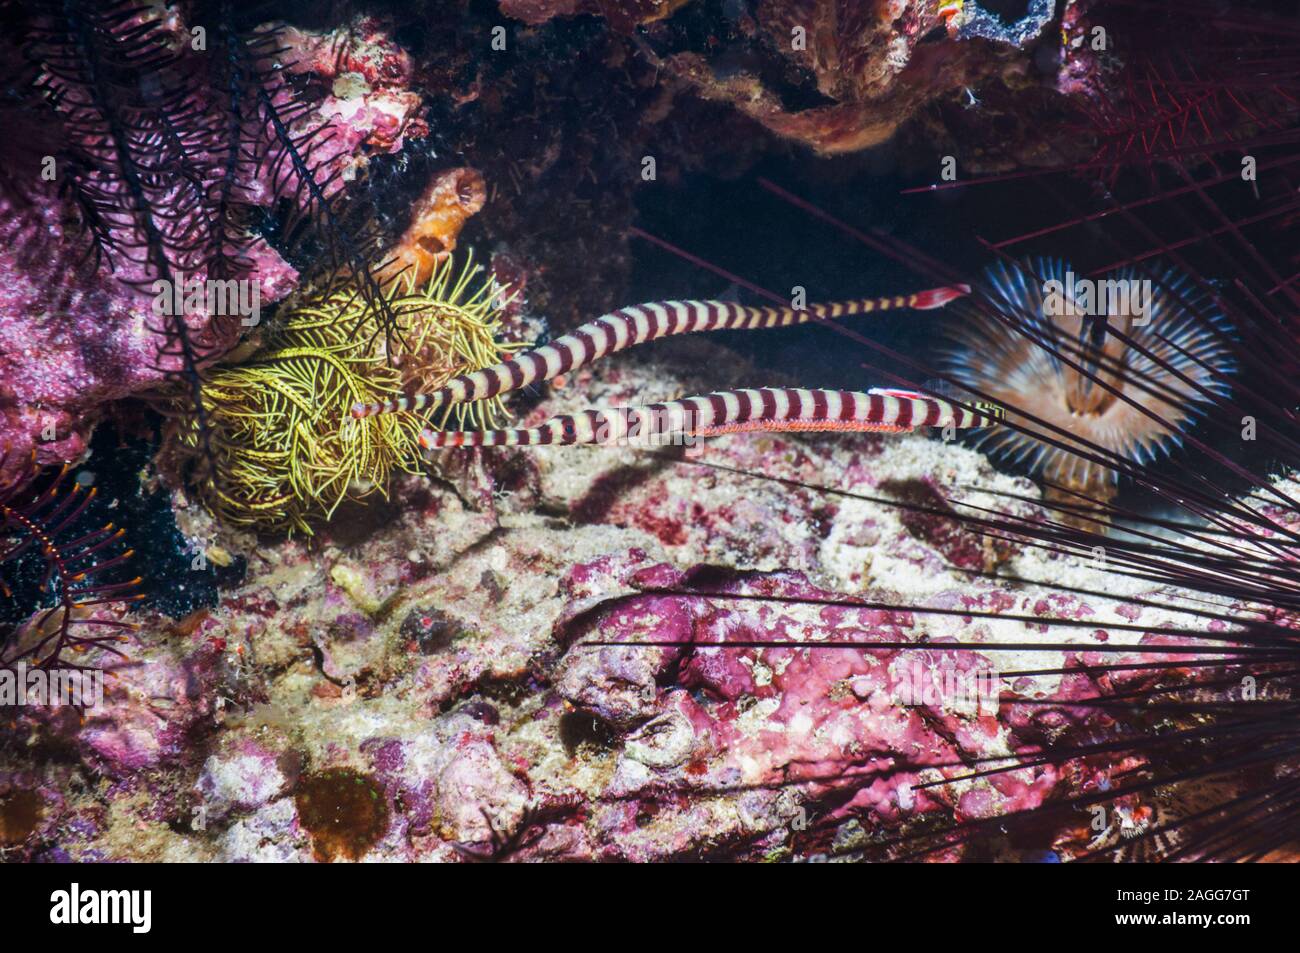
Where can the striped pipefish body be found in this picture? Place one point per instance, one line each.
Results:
(763, 409)
(638, 324)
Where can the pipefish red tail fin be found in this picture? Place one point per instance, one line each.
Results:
(638, 324)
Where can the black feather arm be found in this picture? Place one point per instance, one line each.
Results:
(317, 204)
(266, 135)
(135, 162)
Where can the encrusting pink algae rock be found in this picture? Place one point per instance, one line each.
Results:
(445, 668)
(771, 647)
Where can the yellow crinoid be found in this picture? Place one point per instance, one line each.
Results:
(283, 450)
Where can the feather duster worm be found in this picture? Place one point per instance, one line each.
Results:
(1125, 363)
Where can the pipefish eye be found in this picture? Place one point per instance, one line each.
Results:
(1119, 364)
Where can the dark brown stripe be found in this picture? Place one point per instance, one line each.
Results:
(678, 316)
(610, 338)
(820, 409)
(744, 406)
(588, 343)
(904, 413)
(657, 319)
(795, 410)
(847, 403)
(633, 335)
(619, 321)
(516, 373)
(931, 413)
(718, 403)
(565, 356)
(769, 404)
(537, 363)
(716, 316)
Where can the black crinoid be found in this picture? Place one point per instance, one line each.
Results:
(63, 582)
(167, 146)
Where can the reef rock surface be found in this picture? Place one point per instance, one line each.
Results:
(422, 682)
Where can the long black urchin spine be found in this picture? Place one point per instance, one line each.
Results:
(43, 520)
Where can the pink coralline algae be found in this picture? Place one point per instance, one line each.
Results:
(154, 708)
(446, 683)
(835, 724)
(72, 340)
(241, 778)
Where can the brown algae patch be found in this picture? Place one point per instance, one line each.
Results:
(344, 811)
(20, 813)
